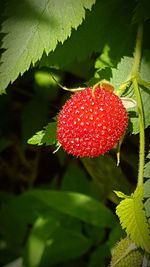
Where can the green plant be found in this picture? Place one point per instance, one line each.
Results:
(58, 210)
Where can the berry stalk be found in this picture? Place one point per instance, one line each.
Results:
(134, 77)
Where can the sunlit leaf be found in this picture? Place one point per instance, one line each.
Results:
(133, 219)
(46, 136)
(103, 25)
(121, 75)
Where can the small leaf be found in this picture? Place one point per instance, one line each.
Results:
(120, 194)
(46, 136)
(50, 134)
(37, 138)
(133, 219)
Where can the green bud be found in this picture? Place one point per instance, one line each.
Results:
(126, 254)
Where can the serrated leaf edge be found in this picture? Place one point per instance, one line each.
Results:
(123, 209)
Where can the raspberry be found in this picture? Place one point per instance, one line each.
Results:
(90, 125)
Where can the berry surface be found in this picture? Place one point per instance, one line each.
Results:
(91, 124)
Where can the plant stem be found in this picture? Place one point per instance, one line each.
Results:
(138, 50)
(122, 88)
(134, 77)
(142, 134)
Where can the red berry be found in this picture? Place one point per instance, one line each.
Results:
(90, 125)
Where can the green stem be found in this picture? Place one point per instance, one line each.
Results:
(123, 87)
(138, 50)
(143, 83)
(134, 77)
(142, 136)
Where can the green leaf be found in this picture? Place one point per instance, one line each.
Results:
(63, 245)
(147, 168)
(77, 205)
(42, 229)
(37, 138)
(134, 127)
(145, 65)
(46, 246)
(147, 208)
(116, 234)
(37, 27)
(15, 219)
(75, 180)
(99, 255)
(147, 188)
(133, 219)
(104, 59)
(46, 136)
(92, 230)
(101, 169)
(124, 67)
(120, 194)
(121, 75)
(106, 24)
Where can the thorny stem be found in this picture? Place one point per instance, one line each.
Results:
(134, 77)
